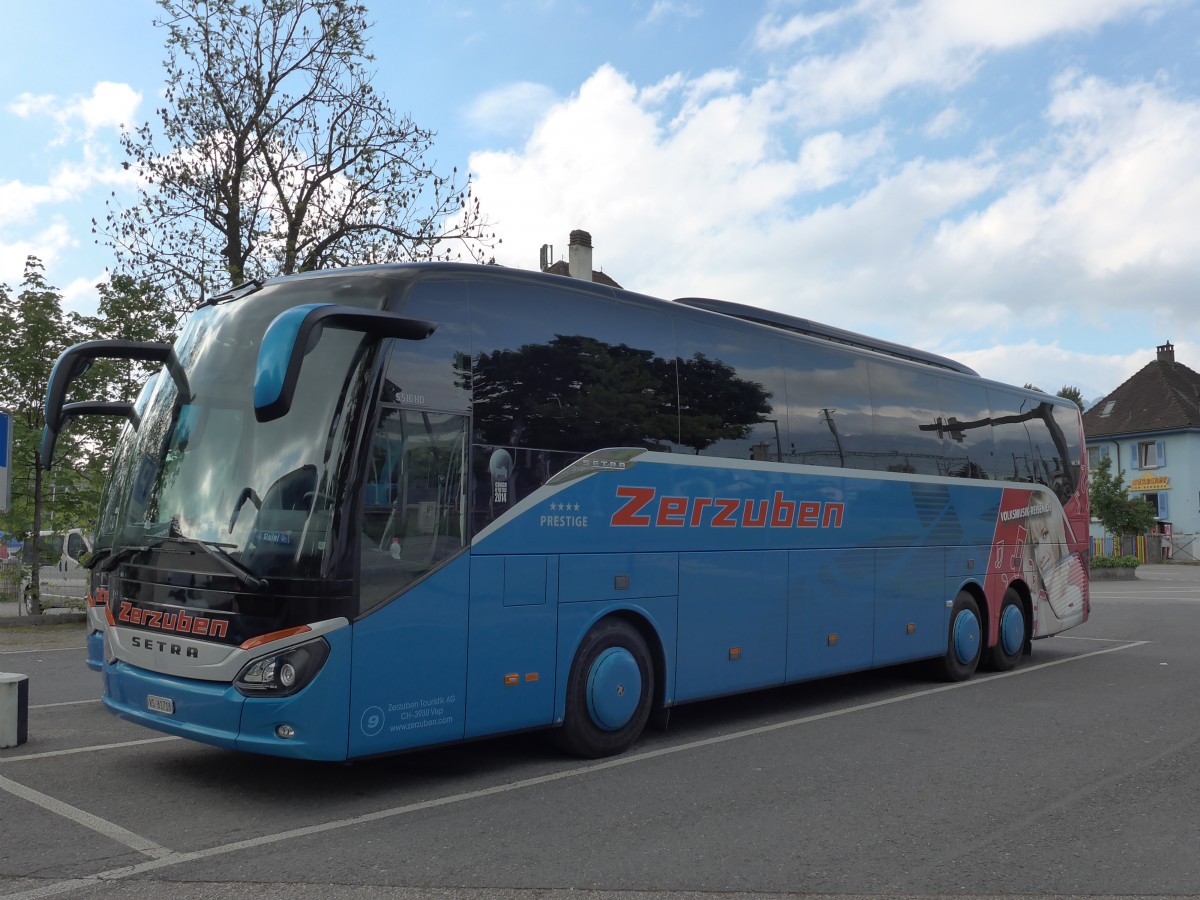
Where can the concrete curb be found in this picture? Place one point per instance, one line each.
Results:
(1113, 574)
(44, 619)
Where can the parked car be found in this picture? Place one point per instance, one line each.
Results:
(64, 581)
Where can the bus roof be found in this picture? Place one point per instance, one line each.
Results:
(740, 311)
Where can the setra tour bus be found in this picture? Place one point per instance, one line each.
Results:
(366, 510)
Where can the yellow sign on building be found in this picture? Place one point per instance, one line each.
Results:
(1151, 483)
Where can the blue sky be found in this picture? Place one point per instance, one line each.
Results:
(1016, 185)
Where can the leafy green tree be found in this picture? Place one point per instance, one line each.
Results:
(33, 331)
(1109, 500)
(1068, 392)
(275, 154)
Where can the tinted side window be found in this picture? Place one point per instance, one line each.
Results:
(556, 374)
(1054, 460)
(829, 408)
(1013, 455)
(908, 425)
(967, 434)
(1066, 418)
(731, 392)
(433, 373)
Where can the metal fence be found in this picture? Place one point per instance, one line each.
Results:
(59, 590)
(1184, 548)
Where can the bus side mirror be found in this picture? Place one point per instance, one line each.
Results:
(72, 364)
(296, 331)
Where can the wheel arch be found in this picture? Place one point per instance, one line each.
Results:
(985, 609)
(1026, 596)
(654, 644)
(654, 626)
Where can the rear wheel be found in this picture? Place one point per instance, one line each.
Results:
(609, 691)
(1005, 653)
(965, 639)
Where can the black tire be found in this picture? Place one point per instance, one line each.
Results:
(609, 692)
(964, 643)
(27, 598)
(1013, 632)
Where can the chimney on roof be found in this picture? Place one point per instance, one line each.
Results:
(579, 259)
(1166, 353)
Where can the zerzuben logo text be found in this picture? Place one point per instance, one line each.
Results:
(644, 508)
(179, 622)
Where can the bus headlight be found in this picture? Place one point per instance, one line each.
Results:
(283, 673)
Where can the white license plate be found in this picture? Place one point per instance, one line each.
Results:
(163, 705)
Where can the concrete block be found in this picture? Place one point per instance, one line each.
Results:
(14, 709)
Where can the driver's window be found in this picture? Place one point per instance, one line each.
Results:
(414, 499)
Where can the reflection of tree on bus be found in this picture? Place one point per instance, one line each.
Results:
(562, 394)
(1056, 573)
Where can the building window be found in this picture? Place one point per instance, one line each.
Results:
(1151, 454)
(1094, 455)
(1159, 502)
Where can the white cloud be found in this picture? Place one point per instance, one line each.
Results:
(111, 105)
(935, 43)
(48, 245)
(20, 202)
(945, 123)
(677, 201)
(1051, 367)
(671, 9)
(81, 295)
(1104, 212)
(775, 32)
(511, 109)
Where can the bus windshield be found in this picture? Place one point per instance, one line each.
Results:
(201, 468)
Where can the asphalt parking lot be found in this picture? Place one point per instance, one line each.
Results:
(1078, 774)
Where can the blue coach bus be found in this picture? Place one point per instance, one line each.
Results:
(366, 510)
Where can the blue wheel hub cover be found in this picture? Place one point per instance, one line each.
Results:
(1012, 629)
(966, 636)
(614, 689)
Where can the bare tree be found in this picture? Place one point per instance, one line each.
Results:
(280, 156)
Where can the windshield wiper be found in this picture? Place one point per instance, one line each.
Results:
(214, 549)
(109, 561)
(234, 293)
(220, 553)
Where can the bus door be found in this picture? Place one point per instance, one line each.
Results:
(514, 626)
(410, 643)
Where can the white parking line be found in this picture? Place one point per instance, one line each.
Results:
(1072, 637)
(86, 819)
(179, 858)
(45, 650)
(65, 703)
(94, 748)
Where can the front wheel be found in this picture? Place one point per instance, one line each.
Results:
(965, 639)
(609, 691)
(27, 598)
(1005, 653)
